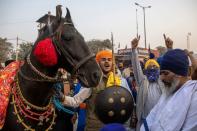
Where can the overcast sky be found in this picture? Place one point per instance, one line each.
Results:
(96, 19)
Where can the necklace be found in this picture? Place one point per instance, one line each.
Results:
(24, 108)
(28, 103)
(38, 72)
(20, 120)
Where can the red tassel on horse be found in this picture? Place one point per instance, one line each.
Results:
(45, 52)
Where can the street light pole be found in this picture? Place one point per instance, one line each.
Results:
(136, 23)
(144, 7)
(188, 40)
(16, 48)
(144, 27)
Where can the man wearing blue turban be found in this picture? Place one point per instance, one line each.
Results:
(176, 108)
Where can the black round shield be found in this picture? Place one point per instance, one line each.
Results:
(114, 105)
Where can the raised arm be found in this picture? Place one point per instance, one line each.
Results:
(168, 42)
(137, 70)
(193, 61)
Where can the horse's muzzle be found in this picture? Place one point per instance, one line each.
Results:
(96, 76)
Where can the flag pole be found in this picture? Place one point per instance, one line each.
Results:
(113, 57)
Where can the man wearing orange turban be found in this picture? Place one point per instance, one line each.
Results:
(103, 54)
(104, 59)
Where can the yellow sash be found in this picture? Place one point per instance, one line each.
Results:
(110, 81)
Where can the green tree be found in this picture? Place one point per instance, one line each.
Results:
(5, 50)
(96, 45)
(24, 49)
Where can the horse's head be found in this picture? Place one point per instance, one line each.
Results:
(72, 52)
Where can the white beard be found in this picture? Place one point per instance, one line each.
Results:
(168, 90)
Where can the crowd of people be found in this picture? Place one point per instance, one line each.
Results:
(164, 92)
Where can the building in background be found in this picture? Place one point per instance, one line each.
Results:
(124, 55)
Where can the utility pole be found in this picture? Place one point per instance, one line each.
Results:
(17, 39)
(144, 7)
(144, 27)
(188, 40)
(16, 48)
(136, 23)
(113, 58)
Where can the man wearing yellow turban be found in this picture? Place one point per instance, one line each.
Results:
(151, 62)
(148, 83)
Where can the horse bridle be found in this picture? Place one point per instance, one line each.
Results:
(70, 60)
(59, 47)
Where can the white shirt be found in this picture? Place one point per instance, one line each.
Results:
(175, 112)
(74, 101)
(148, 92)
(85, 93)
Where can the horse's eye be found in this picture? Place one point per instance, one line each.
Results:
(67, 38)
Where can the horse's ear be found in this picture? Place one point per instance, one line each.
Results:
(58, 12)
(68, 17)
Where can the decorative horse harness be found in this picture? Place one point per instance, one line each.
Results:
(25, 108)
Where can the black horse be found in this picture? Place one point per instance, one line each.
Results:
(30, 106)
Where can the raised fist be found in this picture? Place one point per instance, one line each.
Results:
(168, 42)
(135, 42)
(188, 52)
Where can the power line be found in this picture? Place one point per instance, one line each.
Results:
(11, 39)
(14, 39)
(24, 40)
(17, 39)
(17, 22)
